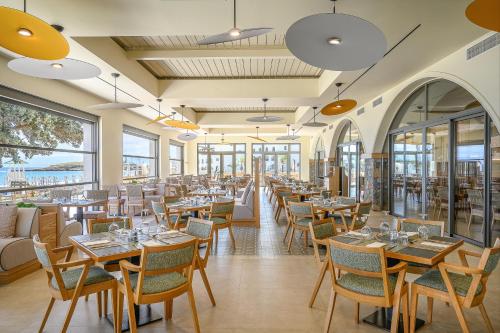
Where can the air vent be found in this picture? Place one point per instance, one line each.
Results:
(330, 127)
(483, 46)
(360, 111)
(376, 102)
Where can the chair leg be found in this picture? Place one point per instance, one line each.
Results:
(216, 238)
(286, 232)
(47, 313)
(291, 239)
(71, 309)
(168, 308)
(114, 294)
(86, 298)
(131, 313)
(395, 315)
(192, 303)
(486, 318)
(460, 316)
(232, 236)
(99, 304)
(206, 282)
(329, 312)
(413, 309)
(119, 310)
(105, 303)
(430, 306)
(305, 240)
(406, 315)
(319, 281)
(356, 313)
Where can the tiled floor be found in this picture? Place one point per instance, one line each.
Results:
(260, 288)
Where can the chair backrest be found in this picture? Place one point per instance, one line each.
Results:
(364, 208)
(102, 224)
(322, 229)
(300, 209)
(442, 193)
(222, 209)
(475, 197)
(59, 194)
(199, 228)
(361, 261)
(171, 199)
(48, 260)
(97, 194)
(490, 258)
(134, 191)
(158, 208)
(436, 228)
(326, 194)
(112, 190)
(346, 200)
(160, 260)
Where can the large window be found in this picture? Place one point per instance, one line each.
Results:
(176, 156)
(140, 154)
(226, 159)
(443, 150)
(44, 145)
(278, 159)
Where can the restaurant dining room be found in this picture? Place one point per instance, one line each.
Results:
(244, 166)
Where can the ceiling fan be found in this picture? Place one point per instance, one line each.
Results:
(234, 33)
(257, 137)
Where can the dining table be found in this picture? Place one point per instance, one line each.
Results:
(211, 193)
(428, 252)
(105, 246)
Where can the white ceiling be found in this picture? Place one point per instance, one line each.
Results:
(174, 25)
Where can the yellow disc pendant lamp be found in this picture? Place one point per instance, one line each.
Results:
(485, 13)
(30, 36)
(340, 106)
(181, 123)
(160, 117)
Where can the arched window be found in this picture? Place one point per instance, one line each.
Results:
(441, 144)
(349, 151)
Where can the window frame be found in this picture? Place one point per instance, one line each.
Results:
(181, 160)
(144, 135)
(233, 153)
(287, 152)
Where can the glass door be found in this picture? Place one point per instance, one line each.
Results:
(227, 165)
(282, 165)
(398, 172)
(413, 174)
(215, 165)
(353, 170)
(269, 165)
(469, 178)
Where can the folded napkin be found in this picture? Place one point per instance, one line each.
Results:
(169, 232)
(412, 233)
(355, 233)
(376, 244)
(97, 242)
(443, 246)
(150, 243)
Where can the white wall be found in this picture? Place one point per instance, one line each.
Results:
(110, 124)
(192, 168)
(479, 75)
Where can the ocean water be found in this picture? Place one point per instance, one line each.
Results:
(35, 177)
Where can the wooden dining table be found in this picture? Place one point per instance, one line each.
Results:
(418, 251)
(80, 204)
(122, 250)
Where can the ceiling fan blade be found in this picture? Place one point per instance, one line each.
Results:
(226, 37)
(257, 138)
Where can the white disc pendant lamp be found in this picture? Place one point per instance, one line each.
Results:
(335, 41)
(288, 137)
(265, 118)
(315, 123)
(115, 105)
(63, 69)
(188, 136)
(234, 33)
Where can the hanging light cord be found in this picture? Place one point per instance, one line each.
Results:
(234, 14)
(24, 6)
(115, 89)
(334, 5)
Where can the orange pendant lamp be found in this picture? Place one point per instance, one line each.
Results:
(340, 106)
(181, 123)
(160, 116)
(485, 13)
(30, 36)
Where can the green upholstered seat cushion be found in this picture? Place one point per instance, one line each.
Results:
(433, 279)
(218, 220)
(70, 277)
(324, 230)
(338, 219)
(366, 285)
(158, 283)
(304, 222)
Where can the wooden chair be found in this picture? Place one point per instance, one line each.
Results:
(221, 214)
(165, 272)
(159, 212)
(62, 195)
(302, 213)
(476, 205)
(442, 200)
(326, 194)
(465, 290)
(135, 199)
(71, 284)
(102, 211)
(203, 231)
(366, 279)
(280, 196)
(287, 200)
(115, 202)
(321, 231)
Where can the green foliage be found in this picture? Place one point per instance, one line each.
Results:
(24, 126)
(25, 205)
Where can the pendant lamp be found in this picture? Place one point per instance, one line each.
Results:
(485, 13)
(334, 41)
(314, 123)
(235, 33)
(188, 136)
(30, 36)
(62, 69)
(115, 104)
(288, 136)
(340, 106)
(160, 116)
(181, 123)
(265, 118)
(257, 136)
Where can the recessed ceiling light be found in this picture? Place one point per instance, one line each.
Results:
(25, 32)
(235, 32)
(57, 65)
(334, 41)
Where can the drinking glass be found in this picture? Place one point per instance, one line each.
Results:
(423, 232)
(366, 231)
(112, 230)
(384, 227)
(403, 239)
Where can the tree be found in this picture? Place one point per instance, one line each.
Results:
(23, 126)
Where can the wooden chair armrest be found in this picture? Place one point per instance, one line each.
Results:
(461, 269)
(398, 268)
(63, 249)
(127, 265)
(74, 263)
(324, 242)
(462, 252)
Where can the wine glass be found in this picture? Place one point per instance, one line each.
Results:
(113, 230)
(423, 232)
(384, 227)
(366, 231)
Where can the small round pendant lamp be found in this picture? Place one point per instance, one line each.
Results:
(63, 69)
(115, 105)
(485, 13)
(288, 137)
(30, 36)
(340, 106)
(337, 42)
(188, 136)
(265, 118)
(315, 123)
